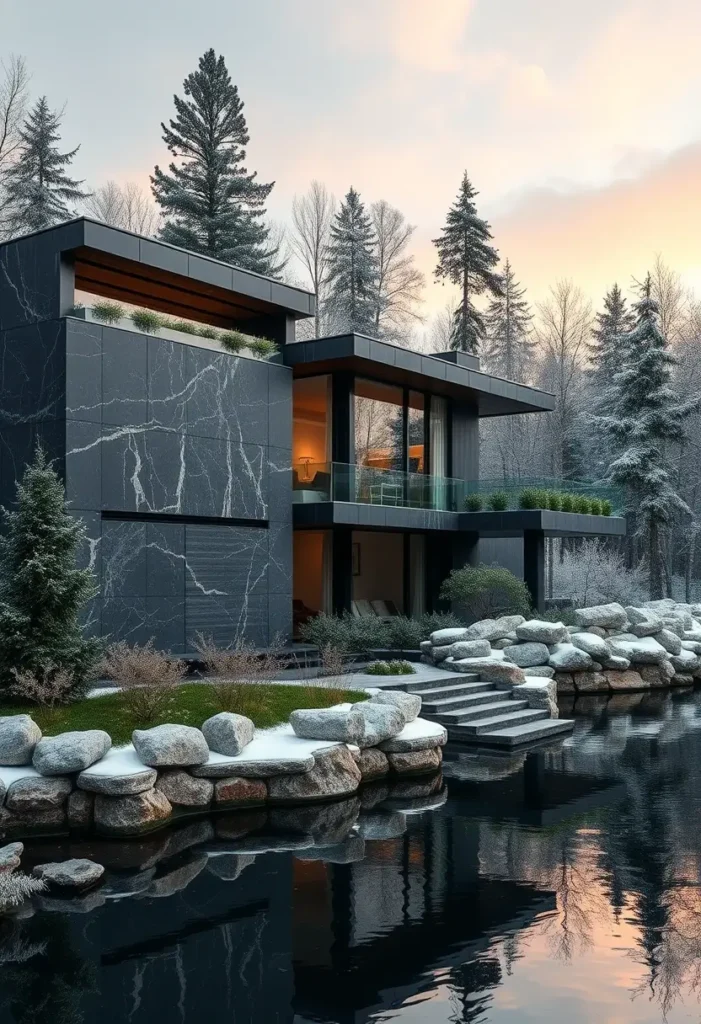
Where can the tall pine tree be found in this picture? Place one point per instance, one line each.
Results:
(352, 267)
(508, 346)
(466, 258)
(646, 418)
(38, 188)
(211, 204)
(605, 354)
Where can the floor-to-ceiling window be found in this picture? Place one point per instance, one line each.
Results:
(311, 437)
(378, 419)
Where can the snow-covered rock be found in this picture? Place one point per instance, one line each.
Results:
(271, 752)
(640, 651)
(408, 703)
(227, 733)
(608, 616)
(417, 735)
(10, 857)
(540, 631)
(685, 662)
(565, 657)
(592, 644)
(343, 723)
(119, 773)
(19, 735)
(527, 654)
(541, 694)
(440, 637)
(493, 669)
(541, 671)
(467, 649)
(70, 751)
(170, 746)
(669, 640)
(335, 774)
(381, 722)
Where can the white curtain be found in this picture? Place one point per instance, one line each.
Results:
(439, 448)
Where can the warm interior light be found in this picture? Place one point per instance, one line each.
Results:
(304, 473)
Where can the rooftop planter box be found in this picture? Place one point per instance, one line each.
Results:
(514, 522)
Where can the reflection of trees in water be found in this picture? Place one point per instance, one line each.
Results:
(47, 979)
(471, 988)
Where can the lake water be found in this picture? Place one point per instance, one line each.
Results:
(559, 886)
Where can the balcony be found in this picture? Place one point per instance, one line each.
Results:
(365, 485)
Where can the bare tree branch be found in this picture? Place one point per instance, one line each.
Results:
(312, 215)
(399, 283)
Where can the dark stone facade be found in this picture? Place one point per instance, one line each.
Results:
(177, 458)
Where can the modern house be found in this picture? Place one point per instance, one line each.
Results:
(222, 492)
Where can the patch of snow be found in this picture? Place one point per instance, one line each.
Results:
(276, 744)
(9, 775)
(420, 729)
(119, 761)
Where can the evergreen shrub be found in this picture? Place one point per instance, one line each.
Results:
(42, 592)
(108, 312)
(567, 503)
(498, 501)
(473, 503)
(528, 498)
(487, 590)
(582, 504)
(390, 668)
(232, 341)
(554, 501)
(595, 506)
(606, 507)
(147, 321)
(184, 326)
(263, 348)
(208, 332)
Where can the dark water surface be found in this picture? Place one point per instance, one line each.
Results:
(558, 887)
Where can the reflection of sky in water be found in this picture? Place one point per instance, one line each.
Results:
(558, 887)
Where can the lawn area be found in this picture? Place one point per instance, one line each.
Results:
(189, 704)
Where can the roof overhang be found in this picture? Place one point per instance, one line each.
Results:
(552, 524)
(368, 357)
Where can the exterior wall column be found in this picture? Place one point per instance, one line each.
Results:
(341, 569)
(534, 566)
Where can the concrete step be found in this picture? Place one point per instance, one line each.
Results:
(465, 715)
(501, 721)
(445, 679)
(519, 735)
(450, 712)
(451, 692)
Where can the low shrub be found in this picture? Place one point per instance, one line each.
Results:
(390, 668)
(232, 341)
(554, 501)
(405, 634)
(431, 621)
(47, 688)
(473, 503)
(236, 670)
(263, 348)
(567, 503)
(147, 321)
(147, 677)
(582, 504)
(486, 591)
(498, 501)
(184, 326)
(606, 507)
(108, 312)
(528, 498)
(595, 506)
(208, 332)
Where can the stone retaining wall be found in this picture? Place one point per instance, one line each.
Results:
(609, 649)
(78, 782)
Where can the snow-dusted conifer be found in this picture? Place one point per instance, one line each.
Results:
(352, 267)
(38, 190)
(646, 417)
(605, 354)
(466, 258)
(508, 346)
(210, 202)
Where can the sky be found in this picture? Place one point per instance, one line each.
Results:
(577, 122)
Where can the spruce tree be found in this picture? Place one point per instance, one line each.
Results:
(38, 188)
(352, 267)
(508, 346)
(605, 354)
(41, 591)
(645, 418)
(466, 258)
(210, 202)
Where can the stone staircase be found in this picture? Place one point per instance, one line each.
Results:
(474, 711)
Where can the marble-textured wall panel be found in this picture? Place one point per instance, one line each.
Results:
(280, 485)
(143, 470)
(280, 406)
(169, 384)
(280, 558)
(279, 616)
(29, 282)
(123, 559)
(124, 377)
(83, 472)
(83, 371)
(166, 565)
(224, 478)
(32, 382)
(227, 397)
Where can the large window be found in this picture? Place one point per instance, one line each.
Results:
(378, 418)
(311, 430)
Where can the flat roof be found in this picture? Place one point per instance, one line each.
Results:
(139, 269)
(365, 356)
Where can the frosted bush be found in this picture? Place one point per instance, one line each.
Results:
(16, 888)
(593, 574)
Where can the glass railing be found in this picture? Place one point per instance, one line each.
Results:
(338, 481)
(367, 485)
